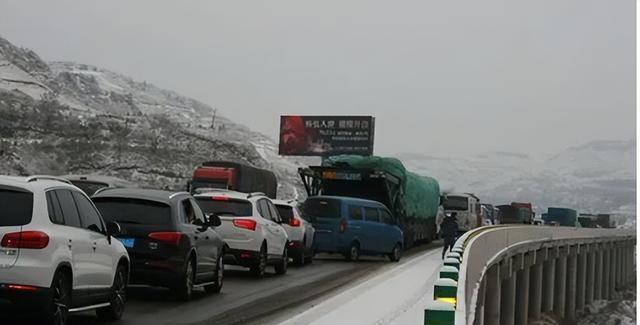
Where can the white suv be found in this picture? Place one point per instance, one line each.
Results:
(251, 228)
(57, 253)
(299, 230)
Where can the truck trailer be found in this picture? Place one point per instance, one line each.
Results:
(516, 212)
(233, 176)
(413, 199)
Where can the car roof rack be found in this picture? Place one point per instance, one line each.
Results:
(102, 189)
(201, 190)
(250, 195)
(48, 178)
(178, 193)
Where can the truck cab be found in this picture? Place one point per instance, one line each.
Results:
(467, 209)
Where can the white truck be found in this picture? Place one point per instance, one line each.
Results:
(467, 209)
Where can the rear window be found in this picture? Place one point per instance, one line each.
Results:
(229, 207)
(17, 208)
(286, 212)
(133, 211)
(322, 208)
(89, 188)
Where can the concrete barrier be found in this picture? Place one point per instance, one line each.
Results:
(511, 274)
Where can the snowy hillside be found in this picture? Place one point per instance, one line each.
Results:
(130, 129)
(596, 177)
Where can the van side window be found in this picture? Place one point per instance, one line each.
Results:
(386, 217)
(371, 214)
(355, 212)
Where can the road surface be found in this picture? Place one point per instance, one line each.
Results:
(246, 299)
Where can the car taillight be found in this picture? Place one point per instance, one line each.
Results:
(18, 287)
(220, 198)
(168, 237)
(245, 224)
(343, 225)
(25, 239)
(294, 222)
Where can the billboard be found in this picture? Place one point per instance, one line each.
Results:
(326, 135)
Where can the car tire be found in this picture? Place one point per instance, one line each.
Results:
(184, 288)
(57, 309)
(281, 267)
(258, 269)
(216, 287)
(396, 253)
(115, 310)
(354, 252)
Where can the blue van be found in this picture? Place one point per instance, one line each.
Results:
(353, 227)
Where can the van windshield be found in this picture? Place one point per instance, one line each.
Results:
(133, 211)
(322, 208)
(17, 208)
(460, 203)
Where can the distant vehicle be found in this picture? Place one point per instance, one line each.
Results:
(412, 199)
(171, 242)
(561, 216)
(299, 231)
(90, 184)
(588, 220)
(467, 209)
(515, 213)
(353, 227)
(55, 247)
(487, 214)
(233, 176)
(251, 228)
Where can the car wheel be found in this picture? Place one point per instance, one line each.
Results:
(57, 310)
(354, 252)
(396, 253)
(216, 287)
(185, 287)
(281, 267)
(261, 264)
(118, 298)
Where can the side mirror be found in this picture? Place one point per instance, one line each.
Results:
(214, 220)
(113, 228)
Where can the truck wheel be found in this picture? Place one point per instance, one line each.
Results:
(354, 252)
(396, 253)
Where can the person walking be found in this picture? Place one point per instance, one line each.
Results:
(449, 232)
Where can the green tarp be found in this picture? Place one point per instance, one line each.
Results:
(420, 196)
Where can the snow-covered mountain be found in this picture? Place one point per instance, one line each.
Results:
(127, 128)
(63, 117)
(596, 177)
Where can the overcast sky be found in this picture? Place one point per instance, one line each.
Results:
(441, 77)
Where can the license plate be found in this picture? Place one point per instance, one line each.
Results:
(127, 242)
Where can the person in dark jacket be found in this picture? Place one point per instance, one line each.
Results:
(449, 232)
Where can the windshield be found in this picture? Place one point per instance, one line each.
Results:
(133, 211)
(17, 208)
(231, 207)
(89, 188)
(322, 208)
(460, 203)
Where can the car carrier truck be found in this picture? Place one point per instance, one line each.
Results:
(413, 199)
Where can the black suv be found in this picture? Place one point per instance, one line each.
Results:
(171, 243)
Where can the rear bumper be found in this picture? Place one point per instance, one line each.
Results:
(18, 300)
(241, 257)
(162, 273)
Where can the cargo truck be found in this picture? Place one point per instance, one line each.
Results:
(467, 209)
(412, 199)
(516, 212)
(561, 217)
(233, 176)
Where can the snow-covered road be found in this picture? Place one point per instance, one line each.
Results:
(396, 295)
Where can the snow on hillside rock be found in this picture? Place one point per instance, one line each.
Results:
(596, 177)
(130, 129)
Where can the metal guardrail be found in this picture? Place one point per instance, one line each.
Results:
(499, 265)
